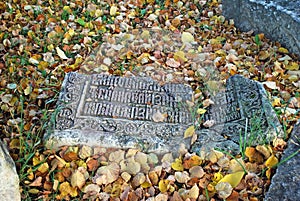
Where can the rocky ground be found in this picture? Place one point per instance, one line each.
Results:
(171, 41)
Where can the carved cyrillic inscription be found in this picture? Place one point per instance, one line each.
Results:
(120, 108)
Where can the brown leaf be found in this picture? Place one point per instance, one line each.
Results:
(37, 182)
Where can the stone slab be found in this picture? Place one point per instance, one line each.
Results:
(279, 20)
(285, 183)
(242, 108)
(9, 179)
(120, 112)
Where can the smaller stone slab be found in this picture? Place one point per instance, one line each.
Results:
(9, 179)
(242, 108)
(120, 112)
(285, 183)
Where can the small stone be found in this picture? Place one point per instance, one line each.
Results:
(85, 152)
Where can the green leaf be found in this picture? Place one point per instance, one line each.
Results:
(257, 40)
(81, 22)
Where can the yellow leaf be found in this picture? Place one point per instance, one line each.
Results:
(43, 168)
(268, 173)
(221, 52)
(283, 50)
(187, 37)
(180, 56)
(272, 160)
(113, 10)
(33, 191)
(292, 66)
(189, 132)
(27, 90)
(163, 185)
(64, 188)
(146, 184)
(233, 179)
(177, 165)
(276, 102)
(217, 177)
(201, 111)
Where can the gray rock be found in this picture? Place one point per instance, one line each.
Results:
(285, 183)
(242, 110)
(120, 112)
(9, 180)
(279, 20)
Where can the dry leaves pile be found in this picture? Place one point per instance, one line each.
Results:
(41, 40)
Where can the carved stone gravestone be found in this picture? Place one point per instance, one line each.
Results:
(120, 112)
(241, 114)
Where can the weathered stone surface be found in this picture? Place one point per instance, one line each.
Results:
(285, 183)
(279, 20)
(103, 110)
(9, 180)
(243, 105)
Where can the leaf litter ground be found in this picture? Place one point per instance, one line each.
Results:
(41, 41)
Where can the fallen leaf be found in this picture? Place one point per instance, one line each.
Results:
(108, 174)
(208, 123)
(77, 179)
(271, 162)
(233, 179)
(224, 189)
(180, 56)
(66, 189)
(61, 53)
(201, 111)
(270, 84)
(158, 117)
(189, 132)
(192, 161)
(177, 165)
(172, 63)
(181, 177)
(187, 37)
(163, 185)
(37, 182)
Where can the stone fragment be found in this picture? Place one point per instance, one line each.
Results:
(241, 112)
(9, 181)
(285, 183)
(117, 112)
